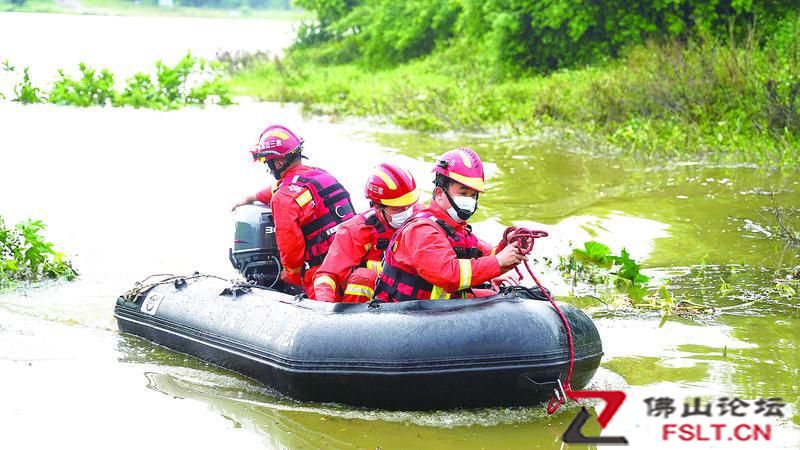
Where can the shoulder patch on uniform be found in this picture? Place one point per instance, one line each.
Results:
(303, 198)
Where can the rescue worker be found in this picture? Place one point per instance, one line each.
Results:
(353, 262)
(308, 204)
(434, 255)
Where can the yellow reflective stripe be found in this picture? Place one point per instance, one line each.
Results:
(470, 182)
(303, 198)
(404, 200)
(292, 270)
(438, 293)
(325, 279)
(275, 187)
(465, 280)
(464, 157)
(494, 251)
(360, 290)
(386, 179)
(374, 266)
(278, 134)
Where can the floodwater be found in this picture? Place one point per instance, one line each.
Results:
(128, 193)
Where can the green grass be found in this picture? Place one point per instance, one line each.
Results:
(128, 8)
(698, 101)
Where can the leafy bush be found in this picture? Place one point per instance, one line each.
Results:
(25, 255)
(191, 81)
(140, 92)
(25, 92)
(90, 89)
(172, 79)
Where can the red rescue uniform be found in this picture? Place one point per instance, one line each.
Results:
(422, 261)
(353, 262)
(307, 204)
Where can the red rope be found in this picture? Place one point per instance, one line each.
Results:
(525, 239)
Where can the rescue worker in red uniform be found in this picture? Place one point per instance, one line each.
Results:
(434, 255)
(351, 267)
(308, 205)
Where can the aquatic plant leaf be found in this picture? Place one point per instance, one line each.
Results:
(629, 269)
(594, 252)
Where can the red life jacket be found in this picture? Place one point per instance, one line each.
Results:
(399, 283)
(331, 207)
(381, 236)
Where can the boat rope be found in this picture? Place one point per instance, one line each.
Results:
(525, 239)
(143, 286)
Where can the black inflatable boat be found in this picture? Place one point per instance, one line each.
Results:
(499, 351)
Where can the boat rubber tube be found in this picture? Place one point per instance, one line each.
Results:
(505, 350)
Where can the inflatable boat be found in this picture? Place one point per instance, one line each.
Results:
(505, 350)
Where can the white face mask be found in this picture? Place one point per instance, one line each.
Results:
(400, 218)
(467, 204)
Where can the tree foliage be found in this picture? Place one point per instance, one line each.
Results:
(540, 34)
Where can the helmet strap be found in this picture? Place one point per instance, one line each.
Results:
(381, 209)
(274, 170)
(463, 214)
(287, 163)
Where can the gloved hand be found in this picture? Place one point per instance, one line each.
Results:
(510, 256)
(508, 278)
(291, 277)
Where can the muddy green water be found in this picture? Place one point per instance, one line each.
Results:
(130, 193)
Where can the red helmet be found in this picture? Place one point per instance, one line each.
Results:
(390, 185)
(275, 141)
(462, 165)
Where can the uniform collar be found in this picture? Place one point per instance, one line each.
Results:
(292, 172)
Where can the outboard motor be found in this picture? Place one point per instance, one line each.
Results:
(255, 251)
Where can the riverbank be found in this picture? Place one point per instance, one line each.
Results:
(129, 8)
(702, 100)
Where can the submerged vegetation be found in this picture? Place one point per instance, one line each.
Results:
(191, 81)
(682, 79)
(617, 283)
(25, 255)
(595, 263)
(786, 220)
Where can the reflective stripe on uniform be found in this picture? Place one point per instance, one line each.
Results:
(292, 270)
(359, 290)
(374, 266)
(326, 280)
(465, 280)
(303, 198)
(438, 293)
